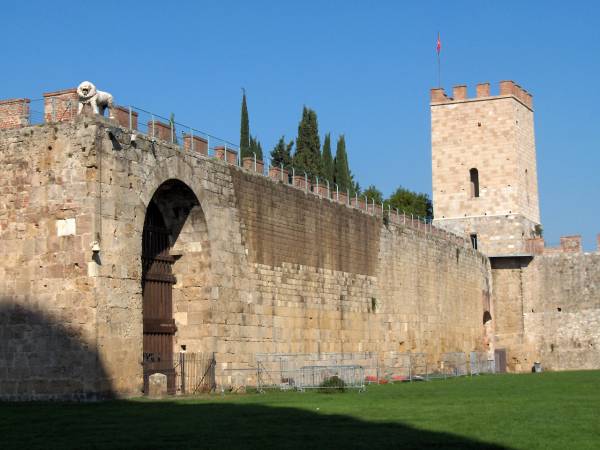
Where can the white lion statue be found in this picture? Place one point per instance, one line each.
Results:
(99, 100)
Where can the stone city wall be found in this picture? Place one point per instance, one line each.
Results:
(261, 266)
(48, 303)
(548, 310)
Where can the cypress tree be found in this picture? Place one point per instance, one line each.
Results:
(255, 149)
(341, 169)
(328, 169)
(308, 145)
(245, 129)
(282, 153)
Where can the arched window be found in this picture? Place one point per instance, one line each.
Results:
(474, 174)
(486, 317)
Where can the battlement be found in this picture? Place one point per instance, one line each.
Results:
(506, 88)
(568, 244)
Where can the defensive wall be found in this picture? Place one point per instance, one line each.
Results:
(261, 265)
(550, 306)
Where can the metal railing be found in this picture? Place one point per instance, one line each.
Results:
(187, 373)
(299, 371)
(190, 139)
(481, 362)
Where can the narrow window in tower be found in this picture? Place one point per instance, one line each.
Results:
(473, 240)
(527, 185)
(474, 174)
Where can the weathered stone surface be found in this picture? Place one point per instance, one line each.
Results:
(157, 385)
(260, 267)
(549, 310)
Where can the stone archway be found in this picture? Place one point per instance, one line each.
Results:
(175, 247)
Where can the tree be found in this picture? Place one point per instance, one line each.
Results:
(255, 149)
(244, 129)
(342, 175)
(411, 203)
(282, 153)
(373, 194)
(308, 145)
(328, 168)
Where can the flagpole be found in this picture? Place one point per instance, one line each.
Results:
(439, 72)
(438, 48)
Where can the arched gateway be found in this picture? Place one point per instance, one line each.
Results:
(174, 222)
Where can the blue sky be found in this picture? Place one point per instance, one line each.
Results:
(365, 67)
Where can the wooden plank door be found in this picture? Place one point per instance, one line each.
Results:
(157, 292)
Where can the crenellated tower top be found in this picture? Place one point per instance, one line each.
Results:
(459, 93)
(484, 166)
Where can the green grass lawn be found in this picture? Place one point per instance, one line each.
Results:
(548, 410)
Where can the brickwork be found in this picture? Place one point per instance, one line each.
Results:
(123, 117)
(568, 244)
(195, 143)
(160, 130)
(61, 106)
(14, 113)
(230, 155)
(249, 163)
(278, 174)
(495, 135)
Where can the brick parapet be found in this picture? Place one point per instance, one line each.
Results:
(196, 144)
(278, 174)
(483, 90)
(160, 130)
(122, 116)
(14, 113)
(249, 163)
(568, 244)
(60, 106)
(227, 154)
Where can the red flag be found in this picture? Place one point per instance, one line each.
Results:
(438, 46)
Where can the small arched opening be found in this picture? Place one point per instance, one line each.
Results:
(474, 181)
(486, 317)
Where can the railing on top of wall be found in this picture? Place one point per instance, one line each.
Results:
(63, 107)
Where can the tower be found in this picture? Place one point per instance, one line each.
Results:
(484, 166)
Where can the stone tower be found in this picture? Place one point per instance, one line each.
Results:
(484, 166)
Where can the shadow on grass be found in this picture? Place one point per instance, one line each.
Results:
(210, 424)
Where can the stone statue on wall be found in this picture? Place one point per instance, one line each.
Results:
(98, 100)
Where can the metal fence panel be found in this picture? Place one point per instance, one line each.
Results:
(480, 362)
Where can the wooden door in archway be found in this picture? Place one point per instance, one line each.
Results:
(157, 292)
